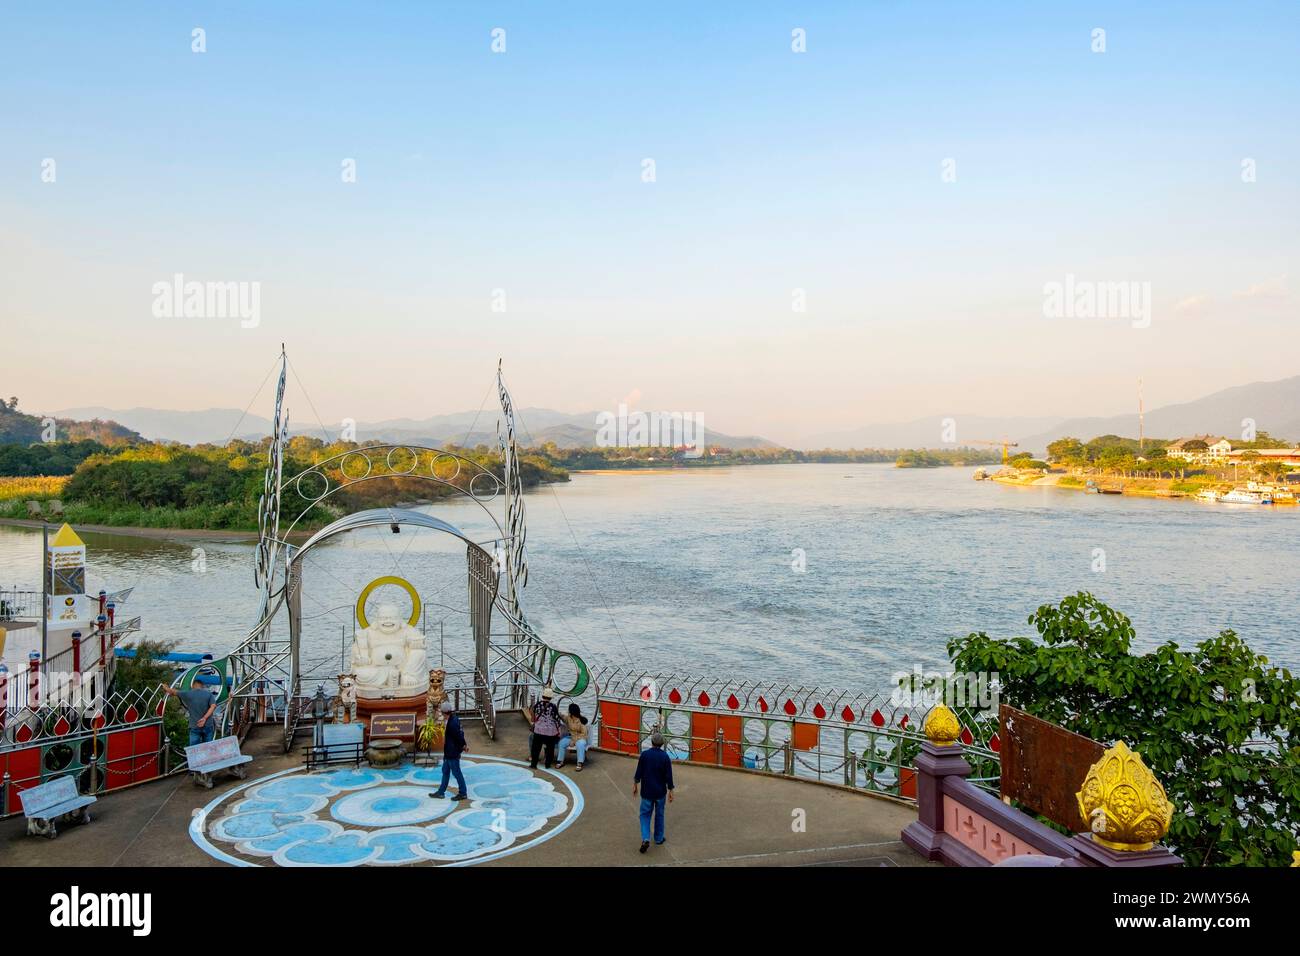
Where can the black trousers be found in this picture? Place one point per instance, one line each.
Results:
(535, 749)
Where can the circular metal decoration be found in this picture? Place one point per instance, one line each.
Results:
(343, 466)
(581, 679)
(380, 582)
(297, 485)
(478, 492)
(433, 467)
(57, 758)
(415, 460)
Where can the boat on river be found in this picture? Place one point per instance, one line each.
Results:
(1246, 496)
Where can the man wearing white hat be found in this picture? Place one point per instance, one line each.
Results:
(547, 728)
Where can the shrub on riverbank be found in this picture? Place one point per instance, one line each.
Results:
(1217, 724)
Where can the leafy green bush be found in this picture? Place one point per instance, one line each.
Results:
(1216, 724)
(142, 674)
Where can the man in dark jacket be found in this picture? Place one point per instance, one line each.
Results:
(654, 775)
(453, 745)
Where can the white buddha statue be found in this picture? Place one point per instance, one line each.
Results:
(388, 657)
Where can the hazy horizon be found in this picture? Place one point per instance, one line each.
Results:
(517, 177)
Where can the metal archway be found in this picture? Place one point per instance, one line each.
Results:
(266, 674)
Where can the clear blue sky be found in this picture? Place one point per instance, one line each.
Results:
(775, 171)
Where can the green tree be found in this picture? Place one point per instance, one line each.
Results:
(1068, 450)
(142, 674)
(1217, 724)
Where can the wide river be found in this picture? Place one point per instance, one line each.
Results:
(695, 570)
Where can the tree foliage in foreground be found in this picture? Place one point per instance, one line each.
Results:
(1217, 724)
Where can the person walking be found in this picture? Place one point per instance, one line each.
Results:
(575, 735)
(199, 703)
(545, 717)
(453, 745)
(654, 776)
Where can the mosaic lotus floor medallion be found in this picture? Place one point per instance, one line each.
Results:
(368, 817)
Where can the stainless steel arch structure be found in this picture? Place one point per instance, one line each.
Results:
(265, 669)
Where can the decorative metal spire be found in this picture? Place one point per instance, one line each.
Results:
(516, 568)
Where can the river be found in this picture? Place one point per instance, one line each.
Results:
(696, 570)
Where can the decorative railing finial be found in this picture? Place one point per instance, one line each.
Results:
(1123, 802)
(941, 727)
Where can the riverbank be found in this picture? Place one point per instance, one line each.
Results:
(1132, 487)
(211, 534)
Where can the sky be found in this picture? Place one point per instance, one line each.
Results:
(914, 179)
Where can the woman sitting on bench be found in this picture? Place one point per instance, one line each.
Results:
(575, 733)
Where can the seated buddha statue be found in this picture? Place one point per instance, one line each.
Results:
(388, 657)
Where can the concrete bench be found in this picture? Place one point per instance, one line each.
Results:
(53, 801)
(207, 759)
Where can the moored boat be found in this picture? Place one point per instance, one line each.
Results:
(1245, 496)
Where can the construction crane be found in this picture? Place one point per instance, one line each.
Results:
(1004, 442)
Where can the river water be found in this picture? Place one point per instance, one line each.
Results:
(696, 570)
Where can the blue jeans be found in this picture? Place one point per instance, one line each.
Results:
(657, 808)
(451, 765)
(201, 735)
(564, 748)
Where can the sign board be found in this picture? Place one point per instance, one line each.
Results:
(392, 725)
(1043, 765)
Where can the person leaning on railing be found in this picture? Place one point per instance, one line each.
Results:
(199, 705)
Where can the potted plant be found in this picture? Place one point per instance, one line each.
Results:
(430, 736)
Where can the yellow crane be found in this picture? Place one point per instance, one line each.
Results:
(994, 443)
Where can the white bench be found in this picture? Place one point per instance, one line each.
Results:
(53, 801)
(206, 759)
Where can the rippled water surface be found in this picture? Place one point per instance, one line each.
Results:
(693, 570)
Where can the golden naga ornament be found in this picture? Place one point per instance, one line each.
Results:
(941, 727)
(1124, 804)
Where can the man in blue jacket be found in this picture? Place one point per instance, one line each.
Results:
(453, 745)
(654, 775)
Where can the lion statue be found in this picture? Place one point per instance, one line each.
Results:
(437, 677)
(346, 701)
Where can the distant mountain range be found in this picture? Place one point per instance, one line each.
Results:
(1274, 407)
(536, 425)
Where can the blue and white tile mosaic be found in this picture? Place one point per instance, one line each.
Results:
(385, 817)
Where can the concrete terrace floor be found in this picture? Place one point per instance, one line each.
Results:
(718, 818)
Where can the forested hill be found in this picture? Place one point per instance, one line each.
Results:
(19, 428)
